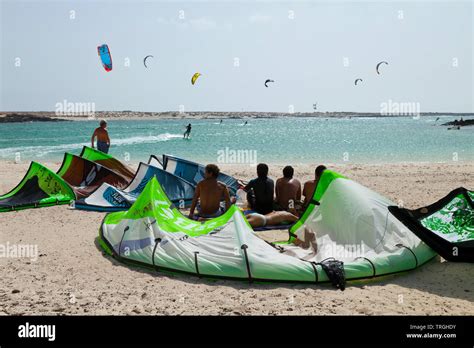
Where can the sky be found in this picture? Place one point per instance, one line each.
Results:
(313, 50)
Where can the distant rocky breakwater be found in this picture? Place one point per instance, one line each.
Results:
(462, 123)
(7, 117)
(27, 117)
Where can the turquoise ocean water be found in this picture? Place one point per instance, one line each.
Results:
(282, 140)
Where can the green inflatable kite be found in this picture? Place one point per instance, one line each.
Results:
(352, 224)
(40, 187)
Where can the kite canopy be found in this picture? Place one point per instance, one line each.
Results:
(109, 198)
(194, 172)
(105, 57)
(267, 81)
(144, 60)
(85, 176)
(107, 161)
(447, 225)
(378, 65)
(153, 233)
(350, 215)
(195, 77)
(76, 178)
(155, 162)
(357, 80)
(40, 187)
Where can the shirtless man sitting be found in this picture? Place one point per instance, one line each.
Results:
(103, 140)
(210, 192)
(288, 190)
(310, 186)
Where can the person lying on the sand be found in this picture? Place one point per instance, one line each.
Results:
(260, 191)
(310, 186)
(271, 219)
(210, 192)
(103, 140)
(288, 191)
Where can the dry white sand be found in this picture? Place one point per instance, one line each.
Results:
(72, 275)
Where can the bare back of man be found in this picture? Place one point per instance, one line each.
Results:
(288, 192)
(103, 140)
(311, 185)
(211, 192)
(101, 134)
(308, 190)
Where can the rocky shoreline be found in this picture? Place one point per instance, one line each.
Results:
(461, 123)
(29, 117)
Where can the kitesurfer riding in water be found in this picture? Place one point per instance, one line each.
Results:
(103, 140)
(187, 132)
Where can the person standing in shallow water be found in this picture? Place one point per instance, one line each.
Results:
(187, 132)
(103, 140)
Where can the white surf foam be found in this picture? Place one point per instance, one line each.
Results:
(43, 150)
(146, 139)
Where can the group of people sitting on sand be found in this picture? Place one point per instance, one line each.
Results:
(269, 204)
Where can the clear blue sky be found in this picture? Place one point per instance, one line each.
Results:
(304, 55)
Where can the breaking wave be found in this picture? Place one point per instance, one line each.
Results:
(43, 150)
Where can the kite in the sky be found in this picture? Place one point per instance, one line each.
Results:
(267, 81)
(105, 57)
(144, 60)
(377, 67)
(195, 77)
(357, 80)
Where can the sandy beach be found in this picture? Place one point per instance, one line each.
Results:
(73, 276)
